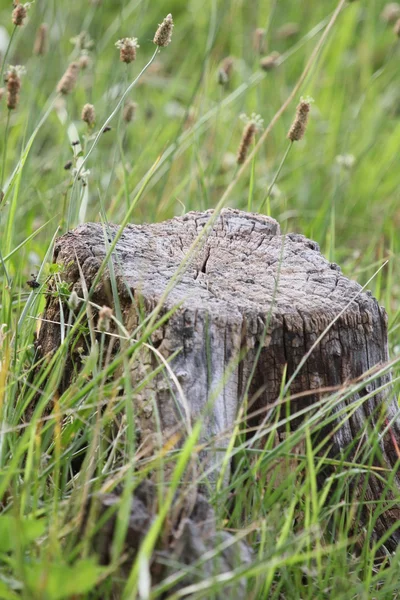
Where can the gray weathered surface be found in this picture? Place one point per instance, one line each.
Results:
(244, 275)
(191, 548)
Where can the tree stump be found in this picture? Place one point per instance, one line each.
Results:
(248, 306)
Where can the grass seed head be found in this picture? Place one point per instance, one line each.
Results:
(287, 31)
(68, 81)
(82, 41)
(84, 60)
(19, 14)
(127, 49)
(252, 125)
(105, 316)
(259, 40)
(89, 114)
(41, 41)
(164, 32)
(299, 125)
(13, 79)
(129, 111)
(225, 70)
(73, 301)
(390, 12)
(269, 62)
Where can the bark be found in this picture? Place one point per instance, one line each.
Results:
(190, 539)
(248, 292)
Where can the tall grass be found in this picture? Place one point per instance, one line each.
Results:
(340, 186)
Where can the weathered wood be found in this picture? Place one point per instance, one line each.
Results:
(246, 285)
(190, 539)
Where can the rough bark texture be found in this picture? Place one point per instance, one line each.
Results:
(246, 285)
(189, 540)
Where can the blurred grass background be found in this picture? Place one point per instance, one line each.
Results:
(356, 112)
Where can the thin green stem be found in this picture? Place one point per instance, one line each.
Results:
(275, 179)
(3, 162)
(6, 54)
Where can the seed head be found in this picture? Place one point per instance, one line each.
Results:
(298, 127)
(164, 32)
(287, 31)
(82, 41)
(129, 111)
(41, 41)
(2, 90)
(127, 49)
(269, 62)
(225, 70)
(68, 81)
(247, 138)
(73, 301)
(19, 14)
(396, 28)
(346, 161)
(253, 124)
(84, 60)
(390, 12)
(259, 40)
(105, 316)
(13, 79)
(89, 114)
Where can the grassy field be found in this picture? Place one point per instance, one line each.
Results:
(340, 186)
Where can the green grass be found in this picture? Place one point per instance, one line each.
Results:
(178, 155)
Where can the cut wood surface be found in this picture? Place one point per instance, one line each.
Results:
(248, 306)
